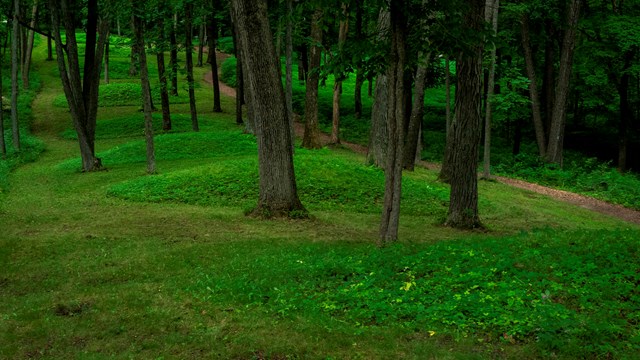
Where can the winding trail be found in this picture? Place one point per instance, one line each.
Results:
(599, 206)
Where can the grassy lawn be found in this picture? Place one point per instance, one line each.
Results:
(119, 264)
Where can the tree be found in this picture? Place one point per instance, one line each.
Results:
(466, 127)
(138, 26)
(15, 128)
(81, 91)
(491, 15)
(188, 28)
(3, 145)
(28, 48)
(162, 71)
(395, 119)
(212, 28)
(173, 56)
(278, 193)
(311, 138)
(338, 77)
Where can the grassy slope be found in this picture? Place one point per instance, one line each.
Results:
(86, 275)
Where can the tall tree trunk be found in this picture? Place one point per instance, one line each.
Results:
(212, 41)
(106, 62)
(357, 92)
(162, 71)
(491, 15)
(415, 121)
(625, 114)
(81, 91)
(134, 65)
(138, 27)
(188, 28)
(558, 117)
(289, 68)
(49, 49)
(337, 85)
(379, 133)
(3, 145)
(396, 119)
(201, 43)
(240, 96)
(533, 89)
(311, 138)
(278, 193)
(549, 79)
(15, 38)
(26, 61)
(466, 128)
(447, 72)
(173, 58)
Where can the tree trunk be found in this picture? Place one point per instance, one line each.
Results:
(447, 72)
(289, 68)
(26, 61)
(49, 49)
(548, 81)
(201, 43)
(311, 138)
(188, 28)
(415, 120)
(395, 120)
(162, 73)
(212, 40)
(491, 15)
(134, 65)
(173, 58)
(533, 89)
(358, 36)
(15, 128)
(379, 133)
(337, 85)
(81, 91)
(278, 193)
(466, 129)
(106, 62)
(625, 115)
(558, 117)
(3, 145)
(146, 88)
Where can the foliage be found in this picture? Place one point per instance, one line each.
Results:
(225, 45)
(123, 94)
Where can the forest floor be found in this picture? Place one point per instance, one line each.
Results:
(586, 202)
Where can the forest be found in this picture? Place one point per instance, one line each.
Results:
(320, 179)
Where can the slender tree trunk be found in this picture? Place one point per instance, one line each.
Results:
(49, 49)
(189, 64)
(146, 88)
(466, 129)
(491, 15)
(549, 79)
(173, 58)
(415, 121)
(311, 138)
(3, 145)
(134, 65)
(447, 72)
(240, 96)
(337, 86)
(396, 118)
(533, 89)
(106, 62)
(357, 92)
(558, 117)
(15, 128)
(212, 41)
(26, 61)
(278, 193)
(162, 73)
(625, 116)
(201, 43)
(289, 68)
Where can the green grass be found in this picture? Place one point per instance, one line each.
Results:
(124, 94)
(119, 264)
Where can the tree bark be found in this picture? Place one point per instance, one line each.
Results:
(396, 118)
(278, 193)
(162, 72)
(146, 88)
(491, 15)
(533, 89)
(625, 115)
(49, 49)
(558, 117)
(447, 72)
(357, 92)
(106, 62)
(15, 128)
(173, 58)
(134, 65)
(289, 68)
(311, 138)
(337, 86)
(81, 91)
(3, 145)
(188, 44)
(466, 129)
(212, 40)
(415, 120)
(201, 42)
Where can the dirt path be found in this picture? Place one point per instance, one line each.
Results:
(586, 202)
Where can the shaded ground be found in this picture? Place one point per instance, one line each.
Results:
(586, 202)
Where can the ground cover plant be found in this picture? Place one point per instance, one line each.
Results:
(120, 264)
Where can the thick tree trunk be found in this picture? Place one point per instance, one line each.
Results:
(289, 68)
(212, 40)
(15, 39)
(146, 88)
(81, 91)
(26, 61)
(533, 89)
(558, 117)
(278, 193)
(188, 44)
(311, 138)
(491, 15)
(173, 58)
(415, 120)
(466, 129)
(396, 119)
